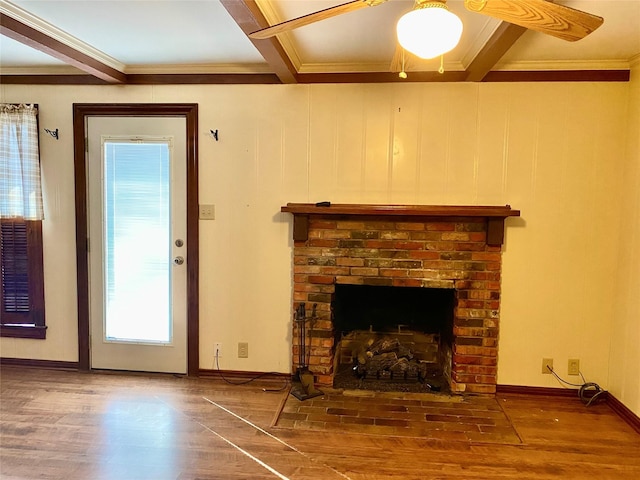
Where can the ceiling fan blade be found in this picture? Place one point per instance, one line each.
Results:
(540, 15)
(313, 17)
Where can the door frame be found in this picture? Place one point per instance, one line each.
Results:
(190, 112)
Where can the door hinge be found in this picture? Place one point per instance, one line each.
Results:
(86, 144)
(88, 249)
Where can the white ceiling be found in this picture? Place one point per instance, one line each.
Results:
(200, 36)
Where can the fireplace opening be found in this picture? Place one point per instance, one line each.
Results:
(393, 338)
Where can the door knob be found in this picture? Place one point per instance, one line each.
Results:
(178, 260)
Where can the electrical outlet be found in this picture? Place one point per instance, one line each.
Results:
(573, 367)
(547, 363)
(207, 212)
(217, 349)
(243, 350)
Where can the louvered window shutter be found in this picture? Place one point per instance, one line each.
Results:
(15, 268)
(21, 279)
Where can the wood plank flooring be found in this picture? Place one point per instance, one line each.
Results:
(68, 425)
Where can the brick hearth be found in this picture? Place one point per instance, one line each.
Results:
(414, 250)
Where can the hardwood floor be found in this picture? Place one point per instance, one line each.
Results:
(68, 425)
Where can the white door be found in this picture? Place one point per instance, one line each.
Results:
(137, 243)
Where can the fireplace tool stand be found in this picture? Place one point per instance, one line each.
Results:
(303, 387)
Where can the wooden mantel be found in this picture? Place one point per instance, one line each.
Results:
(495, 215)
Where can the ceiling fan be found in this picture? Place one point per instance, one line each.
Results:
(540, 15)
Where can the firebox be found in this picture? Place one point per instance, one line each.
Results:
(429, 275)
(393, 338)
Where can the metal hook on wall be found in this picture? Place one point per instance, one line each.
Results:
(53, 133)
(214, 134)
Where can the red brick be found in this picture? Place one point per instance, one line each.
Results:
(424, 254)
(469, 247)
(345, 225)
(394, 235)
(469, 331)
(474, 360)
(392, 272)
(324, 279)
(489, 257)
(440, 226)
(320, 242)
(407, 282)
(317, 223)
(473, 350)
(348, 280)
(335, 234)
(334, 270)
(456, 236)
(306, 269)
(349, 262)
(477, 369)
(477, 236)
(477, 388)
(410, 226)
(378, 244)
(365, 272)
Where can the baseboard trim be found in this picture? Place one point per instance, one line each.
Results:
(238, 375)
(616, 405)
(546, 391)
(623, 412)
(48, 364)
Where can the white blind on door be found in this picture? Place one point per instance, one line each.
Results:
(137, 241)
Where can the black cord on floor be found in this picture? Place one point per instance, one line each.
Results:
(564, 381)
(588, 392)
(245, 382)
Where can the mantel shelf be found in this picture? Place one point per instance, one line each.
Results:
(414, 210)
(495, 215)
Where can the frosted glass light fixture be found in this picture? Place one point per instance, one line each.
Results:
(429, 30)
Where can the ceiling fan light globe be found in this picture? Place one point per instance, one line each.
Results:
(429, 32)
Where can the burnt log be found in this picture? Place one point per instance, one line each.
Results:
(381, 362)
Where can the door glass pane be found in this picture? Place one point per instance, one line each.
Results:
(137, 241)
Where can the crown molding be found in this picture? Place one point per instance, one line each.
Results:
(197, 69)
(43, 70)
(424, 66)
(46, 28)
(547, 65)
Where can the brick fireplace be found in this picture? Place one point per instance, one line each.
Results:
(440, 247)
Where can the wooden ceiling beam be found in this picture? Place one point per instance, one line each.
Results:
(249, 18)
(15, 29)
(498, 44)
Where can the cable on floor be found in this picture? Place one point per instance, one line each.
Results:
(257, 377)
(589, 392)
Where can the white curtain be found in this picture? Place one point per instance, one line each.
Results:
(20, 184)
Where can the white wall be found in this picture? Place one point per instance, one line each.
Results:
(556, 151)
(624, 364)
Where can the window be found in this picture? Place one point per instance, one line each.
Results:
(21, 214)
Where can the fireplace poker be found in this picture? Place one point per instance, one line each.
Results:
(303, 387)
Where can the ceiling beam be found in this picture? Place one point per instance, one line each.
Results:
(249, 18)
(15, 29)
(498, 44)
